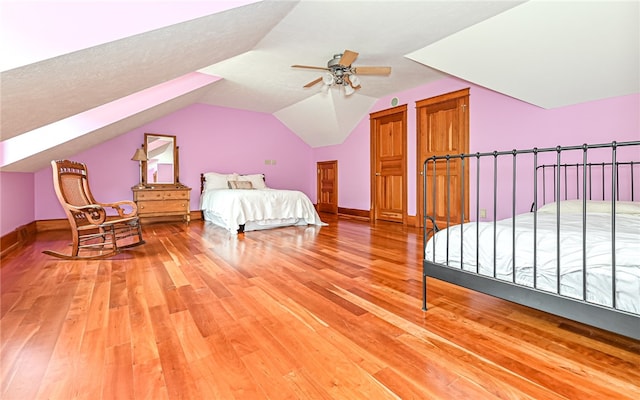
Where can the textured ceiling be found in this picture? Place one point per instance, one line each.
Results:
(546, 53)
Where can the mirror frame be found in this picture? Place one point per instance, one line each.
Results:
(145, 146)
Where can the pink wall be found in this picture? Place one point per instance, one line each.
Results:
(17, 205)
(229, 140)
(353, 167)
(210, 139)
(497, 122)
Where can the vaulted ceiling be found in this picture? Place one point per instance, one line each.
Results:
(75, 74)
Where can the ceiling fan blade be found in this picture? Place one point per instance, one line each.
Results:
(372, 70)
(313, 82)
(310, 67)
(348, 57)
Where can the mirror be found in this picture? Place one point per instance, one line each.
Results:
(161, 167)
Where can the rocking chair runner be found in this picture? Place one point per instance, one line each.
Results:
(95, 232)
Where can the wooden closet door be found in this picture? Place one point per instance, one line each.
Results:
(389, 161)
(443, 128)
(327, 186)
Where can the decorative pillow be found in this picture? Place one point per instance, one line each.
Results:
(240, 185)
(257, 180)
(214, 180)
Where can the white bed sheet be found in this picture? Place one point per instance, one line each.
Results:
(598, 254)
(258, 208)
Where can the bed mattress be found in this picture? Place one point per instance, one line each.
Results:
(496, 247)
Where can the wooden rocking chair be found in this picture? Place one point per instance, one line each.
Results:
(96, 233)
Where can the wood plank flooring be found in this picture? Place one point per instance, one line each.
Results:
(292, 313)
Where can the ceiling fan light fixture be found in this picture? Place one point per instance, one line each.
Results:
(328, 79)
(339, 72)
(348, 90)
(355, 81)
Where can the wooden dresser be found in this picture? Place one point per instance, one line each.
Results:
(162, 203)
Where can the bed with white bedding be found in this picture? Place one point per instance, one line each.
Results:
(242, 203)
(516, 263)
(575, 254)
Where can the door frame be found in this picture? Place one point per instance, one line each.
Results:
(373, 124)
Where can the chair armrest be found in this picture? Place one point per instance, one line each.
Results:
(122, 211)
(94, 213)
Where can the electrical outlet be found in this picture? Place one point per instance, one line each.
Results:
(483, 213)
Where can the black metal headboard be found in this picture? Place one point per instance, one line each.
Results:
(575, 184)
(603, 180)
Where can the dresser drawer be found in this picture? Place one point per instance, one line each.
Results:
(163, 195)
(150, 195)
(176, 195)
(165, 206)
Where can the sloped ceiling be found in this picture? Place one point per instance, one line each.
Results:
(547, 53)
(556, 53)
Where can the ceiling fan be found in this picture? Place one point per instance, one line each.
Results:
(341, 72)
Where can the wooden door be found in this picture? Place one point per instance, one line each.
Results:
(389, 164)
(328, 186)
(443, 128)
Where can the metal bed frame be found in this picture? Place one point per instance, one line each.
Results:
(561, 185)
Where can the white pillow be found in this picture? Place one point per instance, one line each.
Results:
(629, 207)
(566, 207)
(257, 180)
(622, 207)
(214, 180)
(593, 206)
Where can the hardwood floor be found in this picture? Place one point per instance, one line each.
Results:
(291, 313)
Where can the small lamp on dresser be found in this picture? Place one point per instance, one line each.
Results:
(140, 156)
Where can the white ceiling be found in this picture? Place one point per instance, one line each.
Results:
(546, 53)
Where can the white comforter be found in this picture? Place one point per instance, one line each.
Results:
(258, 208)
(598, 254)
